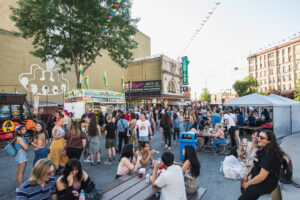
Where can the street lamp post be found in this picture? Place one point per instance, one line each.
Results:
(129, 89)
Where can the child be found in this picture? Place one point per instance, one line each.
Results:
(110, 134)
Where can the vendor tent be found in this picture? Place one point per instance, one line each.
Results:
(281, 114)
(295, 111)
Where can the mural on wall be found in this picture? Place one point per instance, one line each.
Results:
(41, 81)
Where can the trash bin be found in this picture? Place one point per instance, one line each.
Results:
(187, 138)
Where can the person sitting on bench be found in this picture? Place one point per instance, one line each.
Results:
(171, 180)
(220, 138)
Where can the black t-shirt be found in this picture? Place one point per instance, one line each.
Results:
(111, 130)
(270, 163)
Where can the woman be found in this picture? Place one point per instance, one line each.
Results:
(220, 138)
(41, 184)
(132, 131)
(72, 118)
(166, 124)
(67, 120)
(153, 127)
(101, 120)
(57, 146)
(191, 169)
(144, 155)
(84, 127)
(127, 161)
(247, 153)
(266, 167)
(192, 121)
(94, 138)
(186, 122)
(21, 158)
(40, 140)
(72, 181)
(176, 125)
(75, 141)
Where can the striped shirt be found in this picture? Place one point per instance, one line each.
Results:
(35, 192)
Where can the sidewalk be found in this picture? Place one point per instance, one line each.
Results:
(291, 145)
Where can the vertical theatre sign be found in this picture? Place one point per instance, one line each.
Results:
(185, 80)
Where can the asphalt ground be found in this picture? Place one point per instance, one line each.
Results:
(210, 177)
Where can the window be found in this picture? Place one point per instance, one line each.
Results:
(271, 63)
(270, 80)
(284, 69)
(257, 74)
(290, 58)
(290, 86)
(277, 53)
(270, 55)
(260, 65)
(171, 87)
(290, 77)
(279, 88)
(283, 78)
(282, 52)
(289, 50)
(266, 88)
(278, 78)
(283, 87)
(261, 74)
(290, 68)
(265, 73)
(278, 61)
(271, 71)
(283, 60)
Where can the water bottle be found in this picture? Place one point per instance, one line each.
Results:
(81, 195)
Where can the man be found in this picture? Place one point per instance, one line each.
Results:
(216, 118)
(41, 184)
(122, 129)
(171, 180)
(144, 128)
(229, 120)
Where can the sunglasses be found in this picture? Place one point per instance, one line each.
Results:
(262, 137)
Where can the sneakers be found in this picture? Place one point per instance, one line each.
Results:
(98, 163)
(92, 163)
(169, 148)
(108, 162)
(86, 160)
(166, 146)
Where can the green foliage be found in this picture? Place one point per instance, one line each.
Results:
(205, 95)
(246, 86)
(68, 30)
(297, 90)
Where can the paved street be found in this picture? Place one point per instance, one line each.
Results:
(218, 187)
(210, 178)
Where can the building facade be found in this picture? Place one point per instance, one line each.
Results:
(24, 73)
(155, 80)
(223, 96)
(276, 68)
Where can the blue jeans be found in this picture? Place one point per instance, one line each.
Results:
(186, 126)
(39, 154)
(216, 144)
(181, 127)
(144, 138)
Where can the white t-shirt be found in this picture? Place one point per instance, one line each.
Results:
(143, 127)
(230, 120)
(171, 183)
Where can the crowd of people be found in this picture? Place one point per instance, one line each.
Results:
(59, 148)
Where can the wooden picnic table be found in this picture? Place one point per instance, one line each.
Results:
(253, 128)
(130, 187)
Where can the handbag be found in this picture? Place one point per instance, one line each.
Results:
(64, 152)
(10, 148)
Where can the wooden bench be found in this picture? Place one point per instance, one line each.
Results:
(197, 195)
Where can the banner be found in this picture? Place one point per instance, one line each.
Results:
(146, 86)
(122, 83)
(185, 62)
(105, 79)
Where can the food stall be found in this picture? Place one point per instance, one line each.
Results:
(88, 100)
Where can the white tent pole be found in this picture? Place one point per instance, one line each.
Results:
(291, 119)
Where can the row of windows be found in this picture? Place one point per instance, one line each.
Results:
(284, 87)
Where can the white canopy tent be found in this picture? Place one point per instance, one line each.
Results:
(281, 112)
(295, 111)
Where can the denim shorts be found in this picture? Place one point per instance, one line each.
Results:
(144, 138)
(21, 156)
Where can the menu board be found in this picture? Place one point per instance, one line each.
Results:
(16, 111)
(4, 112)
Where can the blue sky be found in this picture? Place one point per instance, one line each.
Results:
(236, 28)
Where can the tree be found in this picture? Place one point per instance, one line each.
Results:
(205, 95)
(246, 86)
(297, 90)
(69, 30)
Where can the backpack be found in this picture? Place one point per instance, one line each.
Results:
(286, 171)
(10, 148)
